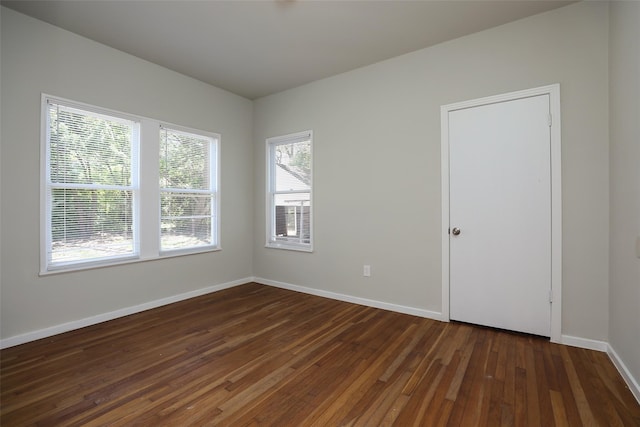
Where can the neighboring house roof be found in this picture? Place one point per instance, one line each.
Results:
(292, 178)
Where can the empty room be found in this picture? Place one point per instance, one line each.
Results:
(320, 213)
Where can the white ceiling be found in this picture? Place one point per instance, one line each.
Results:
(256, 48)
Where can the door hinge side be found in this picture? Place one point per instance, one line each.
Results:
(551, 296)
(550, 118)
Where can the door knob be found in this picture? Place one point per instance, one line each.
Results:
(455, 231)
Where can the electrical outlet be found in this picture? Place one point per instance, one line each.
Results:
(366, 271)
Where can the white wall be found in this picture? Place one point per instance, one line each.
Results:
(377, 161)
(377, 176)
(624, 304)
(37, 57)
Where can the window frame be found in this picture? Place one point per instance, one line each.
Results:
(283, 243)
(146, 196)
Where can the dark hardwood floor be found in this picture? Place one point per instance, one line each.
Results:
(256, 355)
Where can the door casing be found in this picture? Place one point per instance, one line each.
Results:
(556, 196)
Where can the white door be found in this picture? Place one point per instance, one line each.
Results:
(500, 214)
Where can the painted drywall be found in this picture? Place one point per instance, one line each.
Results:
(37, 57)
(377, 161)
(624, 95)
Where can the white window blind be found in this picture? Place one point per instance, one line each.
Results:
(188, 190)
(91, 184)
(289, 201)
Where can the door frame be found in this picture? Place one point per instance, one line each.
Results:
(556, 195)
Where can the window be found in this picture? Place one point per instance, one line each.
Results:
(91, 185)
(187, 190)
(100, 177)
(289, 201)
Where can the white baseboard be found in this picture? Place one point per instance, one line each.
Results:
(77, 324)
(355, 300)
(87, 321)
(615, 359)
(584, 343)
(624, 371)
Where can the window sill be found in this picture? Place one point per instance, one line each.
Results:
(289, 246)
(127, 260)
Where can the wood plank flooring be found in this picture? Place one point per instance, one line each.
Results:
(255, 355)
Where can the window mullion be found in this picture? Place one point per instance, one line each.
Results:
(149, 191)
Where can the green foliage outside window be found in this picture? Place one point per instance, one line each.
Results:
(86, 149)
